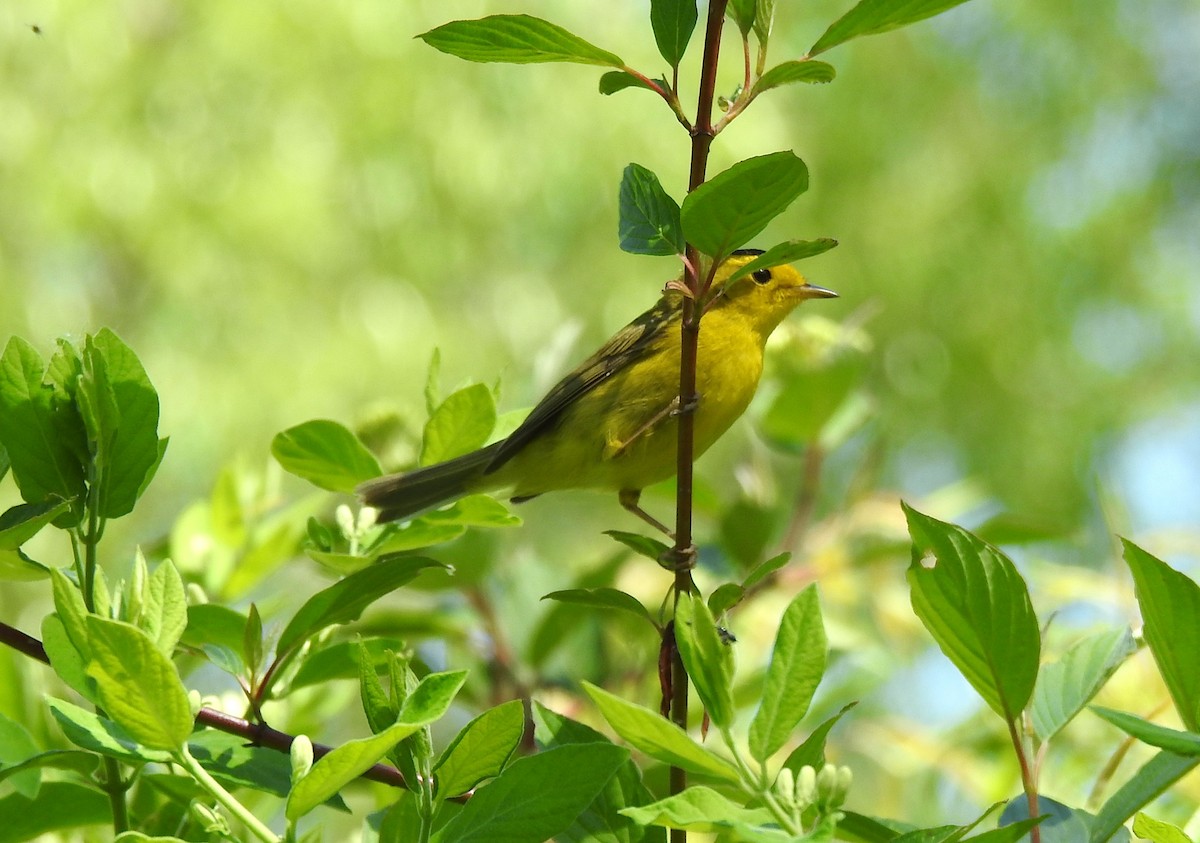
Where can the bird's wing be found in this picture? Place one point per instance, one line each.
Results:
(630, 343)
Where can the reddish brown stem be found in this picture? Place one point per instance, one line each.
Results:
(702, 134)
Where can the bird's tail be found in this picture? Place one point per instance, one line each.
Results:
(399, 496)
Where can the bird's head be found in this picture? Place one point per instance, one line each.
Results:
(766, 295)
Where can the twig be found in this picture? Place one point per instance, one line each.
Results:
(702, 134)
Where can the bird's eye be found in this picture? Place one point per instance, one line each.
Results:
(761, 276)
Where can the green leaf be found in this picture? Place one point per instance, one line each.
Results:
(619, 80)
(603, 598)
(724, 597)
(66, 661)
(649, 217)
(874, 16)
(16, 566)
(707, 657)
(791, 72)
(764, 20)
(1172, 740)
(90, 731)
(344, 601)
(33, 429)
(326, 454)
(601, 822)
(766, 569)
(472, 511)
(16, 746)
(138, 686)
(1148, 783)
(22, 522)
(516, 39)
(856, 826)
(347, 762)
(234, 763)
(743, 13)
(785, 252)
(460, 424)
(68, 602)
(1058, 823)
(1156, 831)
(127, 446)
(481, 749)
(58, 806)
(1016, 831)
(811, 752)
(673, 22)
(699, 809)
(1065, 686)
(654, 735)
(212, 623)
(642, 545)
(797, 665)
(165, 611)
(381, 712)
(1170, 604)
(70, 760)
(536, 797)
(976, 607)
(724, 213)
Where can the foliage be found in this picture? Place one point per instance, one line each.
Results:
(461, 684)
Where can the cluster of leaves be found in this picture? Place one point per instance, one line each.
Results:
(122, 657)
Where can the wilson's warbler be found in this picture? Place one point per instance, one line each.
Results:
(611, 423)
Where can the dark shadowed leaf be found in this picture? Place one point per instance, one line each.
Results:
(725, 212)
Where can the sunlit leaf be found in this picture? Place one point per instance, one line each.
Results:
(699, 809)
(326, 454)
(461, 423)
(481, 749)
(797, 665)
(707, 657)
(138, 686)
(975, 604)
(1170, 604)
(1065, 686)
(650, 733)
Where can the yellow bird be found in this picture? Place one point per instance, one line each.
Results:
(611, 423)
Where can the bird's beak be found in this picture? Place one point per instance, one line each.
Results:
(812, 291)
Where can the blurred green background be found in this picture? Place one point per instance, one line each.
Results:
(284, 208)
